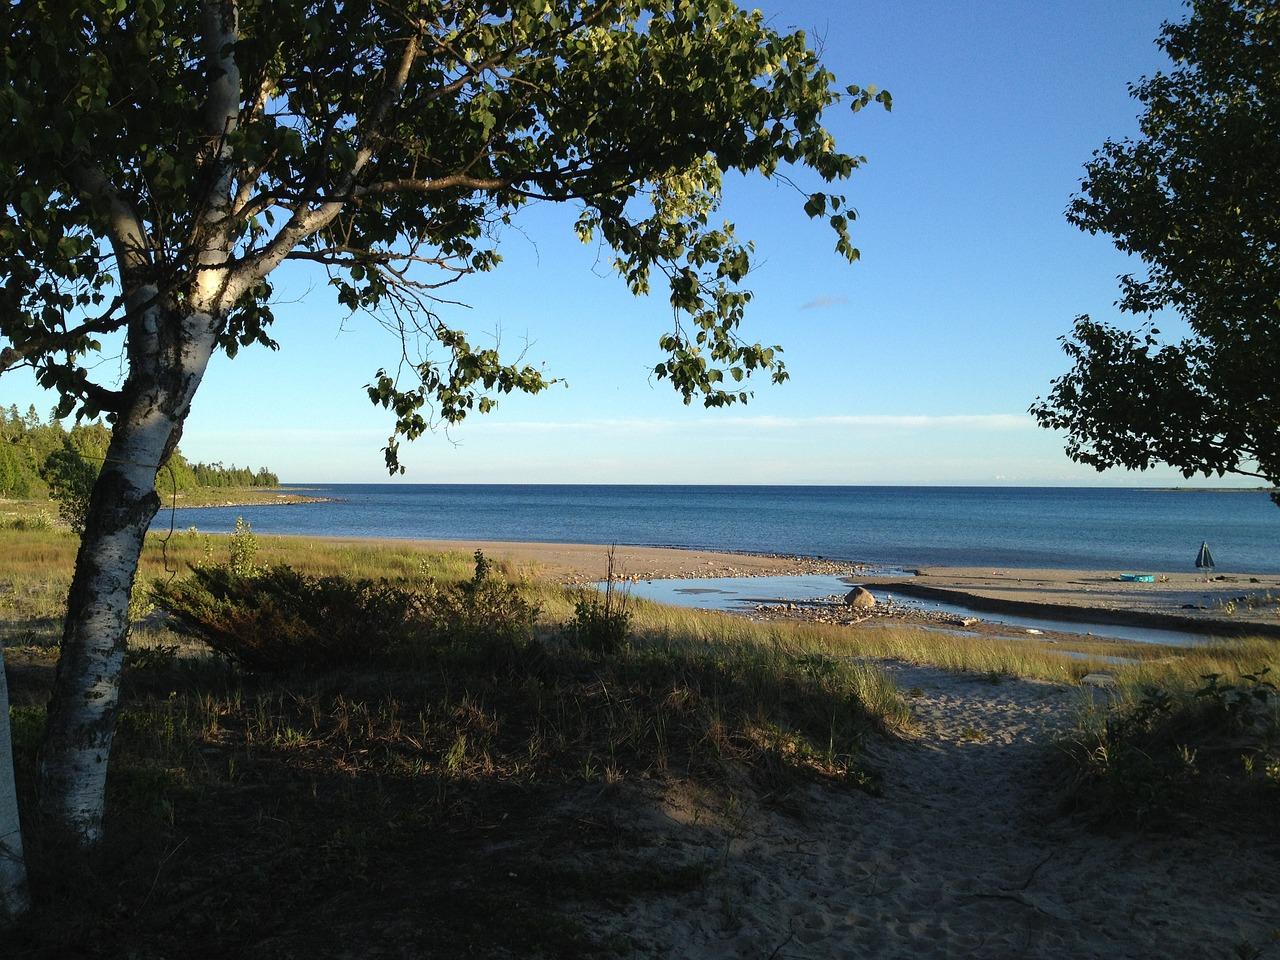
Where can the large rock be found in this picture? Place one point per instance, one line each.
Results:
(859, 598)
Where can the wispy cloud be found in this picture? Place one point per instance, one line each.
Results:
(985, 422)
(824, 302)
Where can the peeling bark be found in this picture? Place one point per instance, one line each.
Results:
(14, 900)
(169, 353)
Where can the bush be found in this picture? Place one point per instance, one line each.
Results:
(485, 611)
(244, 549)
(1167, 753)
(32, 521)
(601, 621)
(280, 619)
(601, 618)
(70, 478)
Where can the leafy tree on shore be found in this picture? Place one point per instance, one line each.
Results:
(159, 161)
(25, 454)
(1197, 198)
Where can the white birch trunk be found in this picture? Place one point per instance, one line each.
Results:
(13, 867)
(82, 710)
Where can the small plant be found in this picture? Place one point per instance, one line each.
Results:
(1244, 707)
(141, 603)
(244, 550)
(601, 618)
(1167, 752)
(159, 657)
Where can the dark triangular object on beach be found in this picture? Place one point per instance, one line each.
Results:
(1204, 559)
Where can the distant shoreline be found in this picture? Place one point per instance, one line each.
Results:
(313, 484)
(209, 497)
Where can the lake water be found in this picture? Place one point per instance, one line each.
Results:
(740, 594)
(1083, 528)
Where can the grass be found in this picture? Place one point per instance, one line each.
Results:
(424, 810)
(421, 810)
(1174, 752)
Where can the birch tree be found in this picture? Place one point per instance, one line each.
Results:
(161, 158)
(13, 867)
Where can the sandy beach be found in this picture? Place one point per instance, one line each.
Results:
(1230, 604)
(1235, 603)
(579, 563)
(963, 855)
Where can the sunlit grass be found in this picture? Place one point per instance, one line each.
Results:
(35, 568)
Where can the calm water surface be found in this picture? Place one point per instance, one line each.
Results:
(1082, 528)
(739, 594)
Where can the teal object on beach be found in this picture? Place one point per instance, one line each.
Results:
(1138, 577)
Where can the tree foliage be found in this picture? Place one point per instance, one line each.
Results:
(388, 141)
(160, 159)
(70, 478)
(31, 450)
(1197, 198)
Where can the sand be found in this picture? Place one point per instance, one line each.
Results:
(586, 562)
(1233, 602)
(964, 855)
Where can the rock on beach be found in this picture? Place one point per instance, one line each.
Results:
(859, 598)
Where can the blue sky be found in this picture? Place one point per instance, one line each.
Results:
(915, 365)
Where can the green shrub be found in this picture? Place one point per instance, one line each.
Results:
(244, 550)
(485, 611)
(279, 619)
(1168, 753)
(601, 619)
(32, 521)
(71, 479)
(160, 657)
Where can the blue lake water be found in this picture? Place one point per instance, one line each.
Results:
(740, 594)
(1143, 530)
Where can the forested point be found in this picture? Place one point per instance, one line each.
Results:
(33, 451)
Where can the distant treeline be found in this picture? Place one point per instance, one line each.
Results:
(27, 443)
(216, 475)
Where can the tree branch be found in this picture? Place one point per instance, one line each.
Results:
(307, 220)
(13, 355)
(416, 185)
(212, 230)
(124, 226)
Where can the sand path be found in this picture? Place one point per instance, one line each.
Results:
(963, 856)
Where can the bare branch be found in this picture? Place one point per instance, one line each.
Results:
(412, 185)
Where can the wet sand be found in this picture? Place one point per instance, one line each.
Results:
(1232, 603)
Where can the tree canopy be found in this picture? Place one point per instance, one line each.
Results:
(1197, 198)
(159, 143)
(159, 159)
(27, 445)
